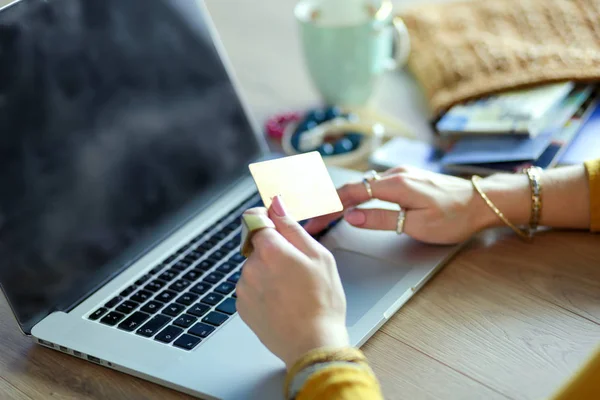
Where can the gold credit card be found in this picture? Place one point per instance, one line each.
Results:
(303, 183)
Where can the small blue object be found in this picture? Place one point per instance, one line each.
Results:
(343, 144)
(332, 112)
(326, 149)
(317, 116)
(355, 138)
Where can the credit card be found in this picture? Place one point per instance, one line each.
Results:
(303, 183)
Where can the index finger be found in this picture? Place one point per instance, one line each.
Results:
(389, 188)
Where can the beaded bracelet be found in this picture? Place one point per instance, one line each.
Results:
(534, 175)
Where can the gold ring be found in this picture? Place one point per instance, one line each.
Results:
(400, 222)
(252, 223)
(372, 175)
(367, 186)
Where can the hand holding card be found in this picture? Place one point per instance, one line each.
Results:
(303, 183)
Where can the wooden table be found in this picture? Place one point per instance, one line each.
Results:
(504, 319)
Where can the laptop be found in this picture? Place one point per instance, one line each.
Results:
(124, 158)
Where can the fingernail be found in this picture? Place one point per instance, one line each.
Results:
(278, 206)
(355, 217)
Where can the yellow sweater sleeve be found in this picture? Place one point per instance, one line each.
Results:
(585, 385)
(344, 375)
(593, 173)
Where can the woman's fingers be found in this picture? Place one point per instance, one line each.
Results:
(394, 188)
(291, 230)
(377, 219)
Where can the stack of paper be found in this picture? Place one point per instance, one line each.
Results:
(493, 153)
(523, 112)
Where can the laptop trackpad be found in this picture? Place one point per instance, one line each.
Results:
(366, 280)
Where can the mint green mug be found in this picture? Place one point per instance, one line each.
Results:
(348, 45)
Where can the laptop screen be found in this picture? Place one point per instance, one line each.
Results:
(115, 115)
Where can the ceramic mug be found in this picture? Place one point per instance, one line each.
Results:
(348, 45)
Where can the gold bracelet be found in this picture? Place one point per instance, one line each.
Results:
(475, 179)
(534, 174)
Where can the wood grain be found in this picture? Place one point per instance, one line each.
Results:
(568, 275)
(406, 373)
(8, 391)
(497, 331)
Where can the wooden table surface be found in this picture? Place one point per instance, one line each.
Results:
(504, 319)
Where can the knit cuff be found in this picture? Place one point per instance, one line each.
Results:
(593, 173)
(323, 355)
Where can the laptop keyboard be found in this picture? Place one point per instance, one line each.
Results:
(184, 299)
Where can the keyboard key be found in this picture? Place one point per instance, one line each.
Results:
(168, 276)
(225, 251)
(213, 299)
(232, 226)
(234, 278)
(128, 291)
(213, 277)
(169, 334)
(141, 296)
(201, 330)
(197, 253)
(112, 318)
(157, 269)
(237, 258)
(193, 275)
(185, 321)
(231, 245)
(113, 302)
(154, 286)
(134, 321)
(208, 245)
(187, 298)
(180, 285)
(226, 267)
(143, 279)
(170, 259)
(218, 255)
(165, 296)
(154, 325)
(181, 265)
(220, 235)
(201, 288)
(187, 342)
(152, 306)
(225, 288)
(227, 306)
(173, 309)
(215, 318)
(127, 307)
(198, 309)
(190, 259)
(234, 294)
(206, 264)
(97, 314)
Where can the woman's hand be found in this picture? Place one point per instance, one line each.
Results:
(439, 208)
(290, 293)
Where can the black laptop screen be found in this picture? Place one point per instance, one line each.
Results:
(115, 115)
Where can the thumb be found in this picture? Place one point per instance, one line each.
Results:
(291, 230)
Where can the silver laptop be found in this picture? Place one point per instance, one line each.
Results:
(123, 162)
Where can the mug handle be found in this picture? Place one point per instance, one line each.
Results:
(402, 45)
